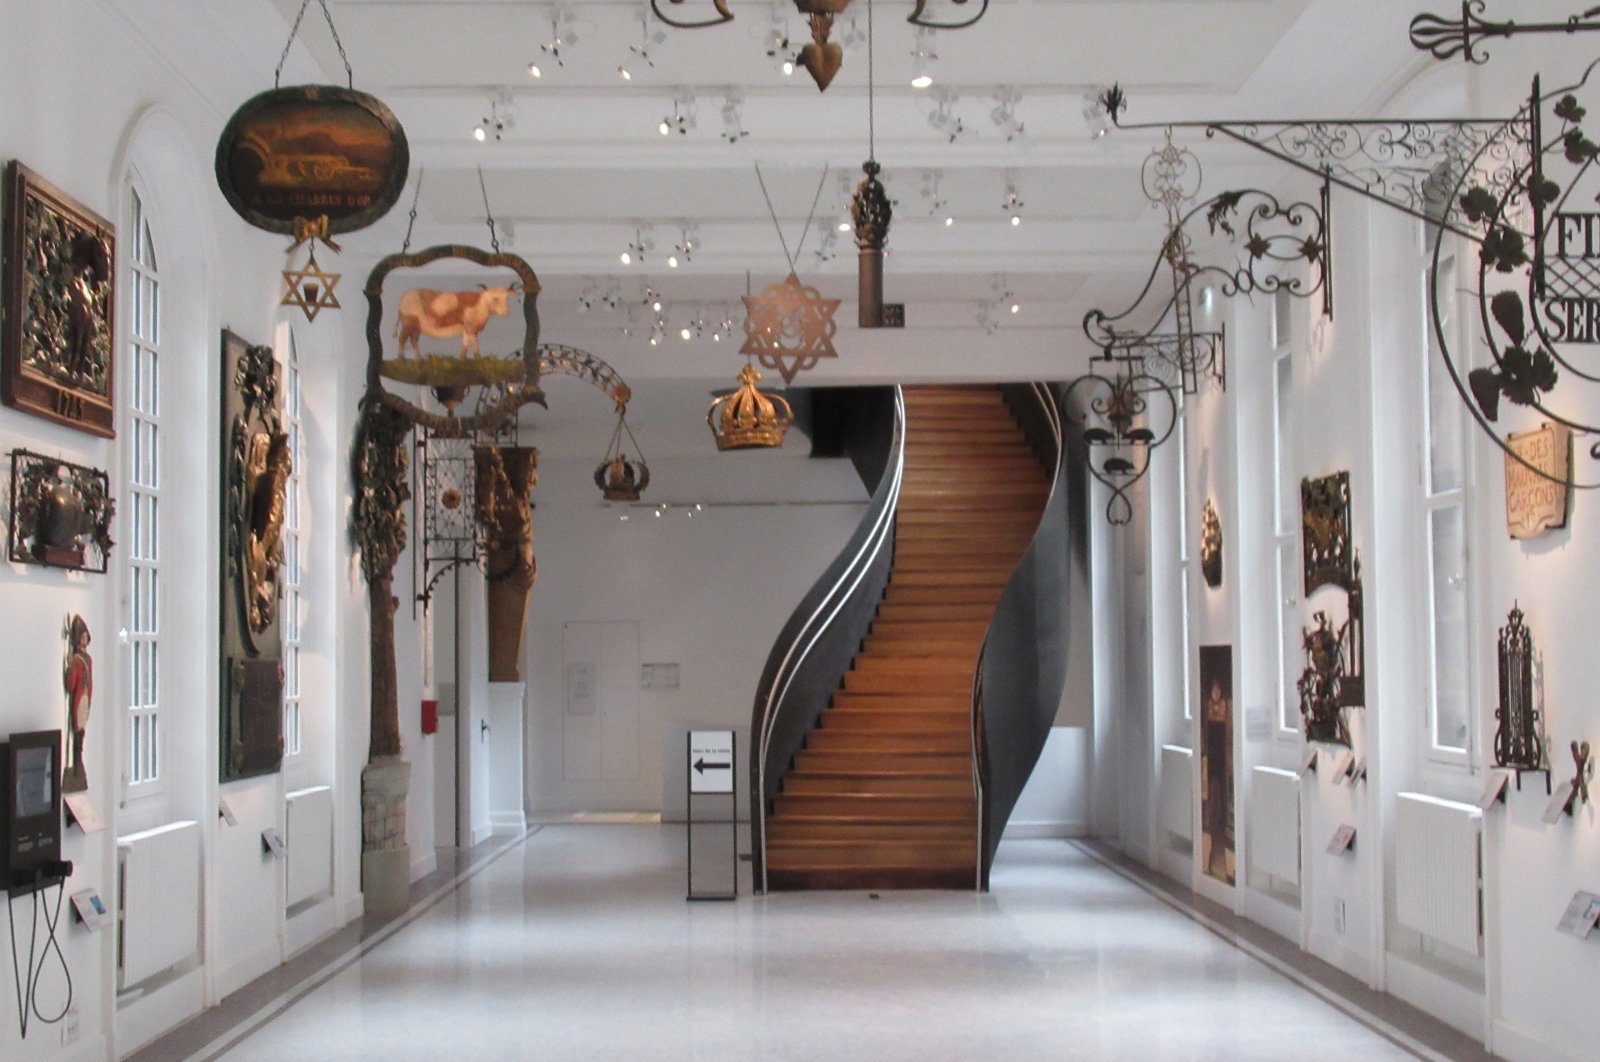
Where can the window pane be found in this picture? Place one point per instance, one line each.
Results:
(1188, 710)
(1447, 556)
(1445, 444)
(1285, 497)
(1288, 647)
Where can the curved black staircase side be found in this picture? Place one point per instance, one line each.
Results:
(1022, 672)
(819, 642)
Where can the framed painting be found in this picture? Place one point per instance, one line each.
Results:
(58, 258)
(1216, 762)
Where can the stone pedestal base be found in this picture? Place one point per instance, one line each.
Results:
(385, 856)
(386, 881)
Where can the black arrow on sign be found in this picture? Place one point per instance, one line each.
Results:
(701, 766)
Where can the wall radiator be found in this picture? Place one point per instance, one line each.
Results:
(310, 843)
(1275, 823)
(1437, 870)
(160, 909)
(1177, 792)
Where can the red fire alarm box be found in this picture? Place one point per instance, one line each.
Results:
(430, 717)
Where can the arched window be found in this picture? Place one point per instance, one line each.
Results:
(142, 428)
(293, 563)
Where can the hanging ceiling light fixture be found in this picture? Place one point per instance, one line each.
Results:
(562, 38)
(871, 211)
(822, 57)
(641, 57)
(733, 129)
(1012, 204)
(922, 59)
(1004, 114)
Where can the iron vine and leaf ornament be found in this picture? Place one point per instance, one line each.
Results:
(1124, 413)
(61, 513)
(58, 260)
(1326, 554)
(1333, 678)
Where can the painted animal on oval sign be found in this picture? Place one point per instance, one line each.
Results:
(441, 314)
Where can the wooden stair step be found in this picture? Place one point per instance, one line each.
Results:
(878, 785)
(804, 854)
(893, 610)
(922, 722)
(835, 740)
(889, 703)
(806, 828)
(906, 682)
(861, 879)
(875, 808)
(834, 760)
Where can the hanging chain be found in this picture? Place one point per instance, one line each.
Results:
(774, 215)
(488, 215)
(277, 76)
(872, 117)
(411, 222)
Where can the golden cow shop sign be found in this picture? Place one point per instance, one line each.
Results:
(1537, 469)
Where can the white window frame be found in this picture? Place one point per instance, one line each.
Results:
(1285, 523)
(141, 524)
(294, 610)
(1185, 564)
(1432, 501)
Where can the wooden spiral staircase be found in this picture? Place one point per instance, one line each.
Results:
(881, 795)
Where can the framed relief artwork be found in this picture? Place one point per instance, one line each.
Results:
(58, 260)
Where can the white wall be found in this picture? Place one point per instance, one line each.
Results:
(95, 88)
(1357, 405)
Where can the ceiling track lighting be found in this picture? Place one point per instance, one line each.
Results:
(1004, 114)
(494, 124)
(1012, 204)
(640, 52)
(943, 117)
(681, 120)
(922, 59)
(733, 129)
(823, 56)
(562, 38)
(642, 245)
(683, 250)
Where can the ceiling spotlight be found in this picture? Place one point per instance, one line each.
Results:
(828, 250)
(778, 46)
(681, 120)
(672, 261)
(493, 124)
(1094, 114)
(562, 37)
(534, 71)
(788, 68)
(922, 58)
(683, 250)
(949, 221)
(658, 331)
(685, 334)
(641, 51)
(1016, 307)
(733, 129)
(944, 119)
(636, 251)
(1012, 204)
(1004, 114)
(931, 180)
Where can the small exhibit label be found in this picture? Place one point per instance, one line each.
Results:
(1494, 789)
(272, 840)
(1581, 915)
(83, 812)
(711, 761)
(1344, 839)
(1308, 762)
(1560, 800)
(91, 910)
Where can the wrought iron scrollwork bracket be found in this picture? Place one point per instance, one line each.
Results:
(1445, 38)
(917, 18)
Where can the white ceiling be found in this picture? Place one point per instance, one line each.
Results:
(581, 165)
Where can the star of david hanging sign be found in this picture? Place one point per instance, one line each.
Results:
(789, 327)
(311, 289)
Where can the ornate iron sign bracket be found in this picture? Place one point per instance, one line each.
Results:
(1446, 38)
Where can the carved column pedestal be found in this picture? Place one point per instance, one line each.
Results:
(385, 856)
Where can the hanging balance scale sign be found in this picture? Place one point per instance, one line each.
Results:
(311, 162)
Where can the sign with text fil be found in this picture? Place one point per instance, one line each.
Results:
(710, 761)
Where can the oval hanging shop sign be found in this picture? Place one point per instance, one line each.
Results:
(293, 156)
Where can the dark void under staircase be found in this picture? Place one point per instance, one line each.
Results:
(884, 791)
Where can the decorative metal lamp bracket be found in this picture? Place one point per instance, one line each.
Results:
(1494, 182)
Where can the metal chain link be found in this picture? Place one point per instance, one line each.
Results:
(488, 214)
(411, 221)
(277, 76)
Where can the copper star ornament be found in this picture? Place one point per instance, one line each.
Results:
(789, 327)
(311, 289)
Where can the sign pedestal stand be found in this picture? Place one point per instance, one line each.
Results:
(711, 757)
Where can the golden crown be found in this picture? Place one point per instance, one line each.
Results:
(746, 419)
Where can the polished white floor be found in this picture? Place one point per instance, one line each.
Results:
(578, 944)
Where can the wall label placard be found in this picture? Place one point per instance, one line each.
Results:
(1538, 501)
(711, 761)
(1344, 839)
(1581, 915)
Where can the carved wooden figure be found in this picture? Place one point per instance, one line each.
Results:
(77, 678)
